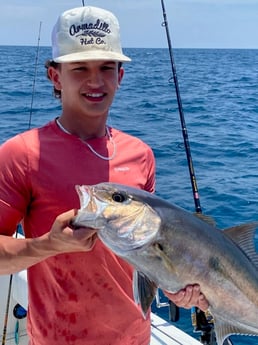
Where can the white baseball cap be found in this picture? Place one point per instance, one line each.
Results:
(87, 33)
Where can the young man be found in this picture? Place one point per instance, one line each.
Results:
(79, 291)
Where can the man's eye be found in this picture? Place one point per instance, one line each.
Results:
(79, 68)
(107, 68)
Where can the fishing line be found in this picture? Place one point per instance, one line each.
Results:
(35, 76)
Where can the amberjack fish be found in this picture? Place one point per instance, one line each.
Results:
(171, 248)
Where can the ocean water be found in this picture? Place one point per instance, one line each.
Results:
(219, 94)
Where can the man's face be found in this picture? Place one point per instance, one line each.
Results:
(87, 87)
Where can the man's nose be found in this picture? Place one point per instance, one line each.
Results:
(94, 79)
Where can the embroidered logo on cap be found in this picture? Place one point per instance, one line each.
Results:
(93, 33)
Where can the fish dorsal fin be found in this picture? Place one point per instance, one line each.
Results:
(144, 291)
(207, 219)
(244, 236)
(223, 330)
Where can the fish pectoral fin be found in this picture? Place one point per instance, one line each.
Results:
(144, 291)
(224, 329)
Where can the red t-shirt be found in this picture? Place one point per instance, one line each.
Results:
(75, 298)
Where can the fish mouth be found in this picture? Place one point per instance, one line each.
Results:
(89, 200)
(91, 208)
(84, 195)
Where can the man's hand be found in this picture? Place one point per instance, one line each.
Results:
(64, 239)
(189, 297)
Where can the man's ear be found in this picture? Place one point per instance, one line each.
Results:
(120, 76)
(53, 75)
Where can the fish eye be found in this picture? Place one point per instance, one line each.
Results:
(118, 197)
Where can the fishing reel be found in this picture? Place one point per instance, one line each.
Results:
(203, 322)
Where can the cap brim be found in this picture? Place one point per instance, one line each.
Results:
(92, 56)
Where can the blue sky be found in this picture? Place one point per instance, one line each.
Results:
(192, 23)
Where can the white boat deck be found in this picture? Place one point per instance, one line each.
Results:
(162, 332)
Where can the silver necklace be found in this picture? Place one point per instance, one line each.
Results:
(89, 146)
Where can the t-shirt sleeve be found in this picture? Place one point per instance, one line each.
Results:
(151, 169)
(14, 196)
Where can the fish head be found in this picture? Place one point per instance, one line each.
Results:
(125, 222)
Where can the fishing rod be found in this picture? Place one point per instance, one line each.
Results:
(7, 310)
(199, 320)
(198, 208)
(17, 229)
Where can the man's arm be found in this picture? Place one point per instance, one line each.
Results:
(17, 254)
